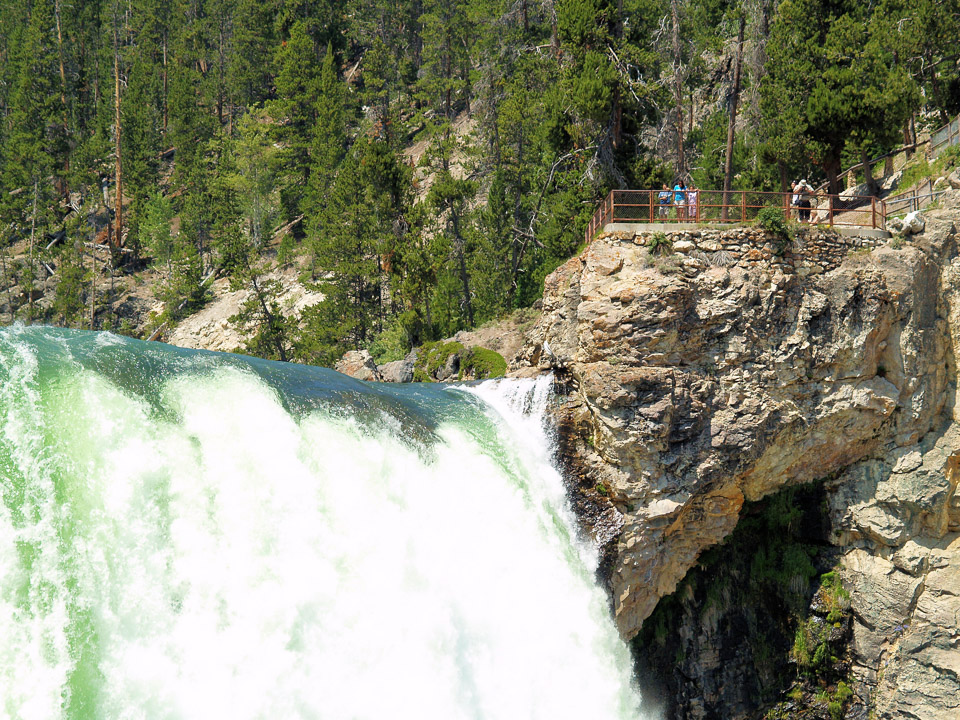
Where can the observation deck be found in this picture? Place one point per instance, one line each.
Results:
(640, 211)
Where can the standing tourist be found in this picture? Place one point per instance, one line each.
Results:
(693, 197)
(663, 198)
(805, 193)
(680, 199)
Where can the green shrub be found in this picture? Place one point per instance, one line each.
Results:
(477, 362)
(772, 220)
(394, 341)
(950, 157)
(482, 363)
(660, 244)
(843, 692)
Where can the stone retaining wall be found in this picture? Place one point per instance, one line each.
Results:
(812, 251)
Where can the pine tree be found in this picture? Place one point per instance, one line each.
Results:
(349, 315)
(250, 74)
(298, 89)
(826, 77)
(445, 74)
(255, 176)
(33, 145)
(326, 152)
(449, 198)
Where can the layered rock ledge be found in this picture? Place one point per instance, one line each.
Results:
(696, 387)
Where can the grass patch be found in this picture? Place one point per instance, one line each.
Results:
(667, 265)
(921, 168)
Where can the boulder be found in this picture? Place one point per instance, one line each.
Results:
(450, 370)
(953, 179)
(913, 224)
(399, 371)
(358, 364)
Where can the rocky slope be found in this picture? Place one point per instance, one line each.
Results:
(697, 388)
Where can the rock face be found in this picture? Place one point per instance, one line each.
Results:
(695, 388)
(358, 364)
(399, 371)
(211, 329)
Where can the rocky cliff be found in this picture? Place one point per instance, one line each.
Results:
(697, 385)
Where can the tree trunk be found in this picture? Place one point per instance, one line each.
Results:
(93, 284)
(462, 264)
(6, 281)
(678, 84)
(731, 127)
(63, 87)
(617, 129)
(221, 70)
(832, 167)
(164, 82)
(910, 136)
(937, 94)
(118, 237)
(33, 235)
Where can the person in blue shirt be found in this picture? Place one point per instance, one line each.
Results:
(680, 199)
(664, 197)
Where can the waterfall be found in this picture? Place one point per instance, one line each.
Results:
(196, 535)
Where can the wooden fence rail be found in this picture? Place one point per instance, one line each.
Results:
(637, 207)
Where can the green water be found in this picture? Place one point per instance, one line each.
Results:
(196, 535)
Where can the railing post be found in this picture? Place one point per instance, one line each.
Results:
(830, 209)
(873, 212)
(743, 206)
(650, 196)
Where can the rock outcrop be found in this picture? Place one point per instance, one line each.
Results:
(360, 365)
(696, 388)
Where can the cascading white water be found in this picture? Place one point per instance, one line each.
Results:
(185, 535)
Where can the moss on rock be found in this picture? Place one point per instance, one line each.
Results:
(446, 361)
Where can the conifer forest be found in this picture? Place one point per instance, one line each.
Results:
(426, 162)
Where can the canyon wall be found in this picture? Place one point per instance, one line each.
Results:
(696, 385)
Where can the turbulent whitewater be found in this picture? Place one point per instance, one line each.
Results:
(193, 535)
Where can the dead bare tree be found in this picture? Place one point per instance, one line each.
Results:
(677, 81)
(732, 125)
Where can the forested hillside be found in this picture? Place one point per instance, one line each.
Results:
(428, 161)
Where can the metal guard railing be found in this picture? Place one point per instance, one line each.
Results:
(946, 136)
(738, 206)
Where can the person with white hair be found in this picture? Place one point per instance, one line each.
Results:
(804, 192)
